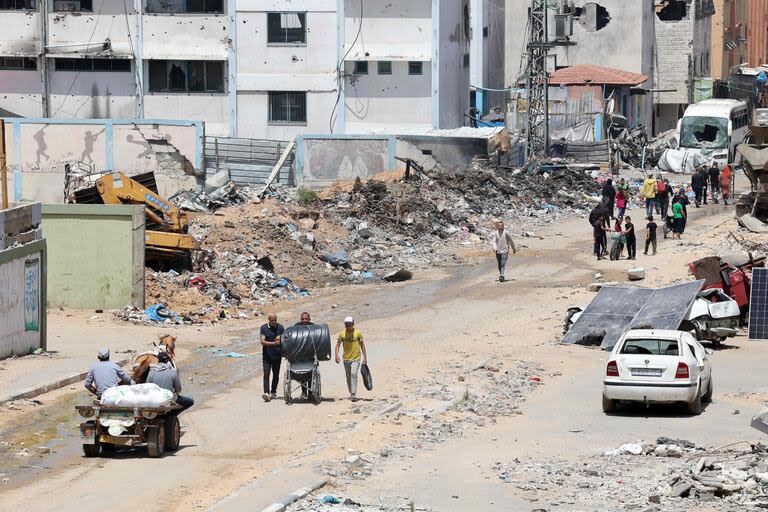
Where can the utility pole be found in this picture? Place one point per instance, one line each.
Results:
(44, 72)
(537, 83)
(3, 168)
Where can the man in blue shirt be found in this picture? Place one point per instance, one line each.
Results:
(271, 355)
(104, 375)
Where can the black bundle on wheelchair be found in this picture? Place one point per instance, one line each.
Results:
(300, 343)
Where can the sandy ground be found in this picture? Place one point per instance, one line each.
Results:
(241, 454)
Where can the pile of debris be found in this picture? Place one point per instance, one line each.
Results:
(657, 475)
(635, 148)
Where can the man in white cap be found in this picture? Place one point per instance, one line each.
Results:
(352, 341)
(105, 374)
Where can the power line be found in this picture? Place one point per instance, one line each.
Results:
(339, 74)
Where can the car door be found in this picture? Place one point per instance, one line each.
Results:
(699, 356)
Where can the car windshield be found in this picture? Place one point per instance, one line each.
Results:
(651, 347)
(704, 132)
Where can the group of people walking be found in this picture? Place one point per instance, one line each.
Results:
(661, 199)
(350, 340)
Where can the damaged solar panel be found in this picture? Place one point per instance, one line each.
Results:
(616, 309)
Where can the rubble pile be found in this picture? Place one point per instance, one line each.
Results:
(442, 410)
(665, 476)
(636, 149)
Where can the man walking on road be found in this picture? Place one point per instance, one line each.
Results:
(649, 193)
(502, 241)
(105, 374)
(697, 184)
(714, 182)
(305, 319)
(271, 354)
(352, 341)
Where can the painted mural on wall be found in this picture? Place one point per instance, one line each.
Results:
(328, 160)
(32, 294)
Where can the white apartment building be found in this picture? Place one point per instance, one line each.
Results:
(248, 68)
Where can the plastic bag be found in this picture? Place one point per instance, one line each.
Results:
(365, 372)
(138, 395)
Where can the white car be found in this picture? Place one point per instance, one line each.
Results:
(658, 366)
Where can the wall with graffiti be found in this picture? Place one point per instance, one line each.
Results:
(39, 151)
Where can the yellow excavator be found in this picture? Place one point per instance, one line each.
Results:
(168, 245)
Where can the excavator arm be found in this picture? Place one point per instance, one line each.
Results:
(167, 225)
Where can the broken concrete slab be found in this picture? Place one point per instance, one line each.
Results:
(760, 421)
(636, 274)
(753, 224)
(596, 287)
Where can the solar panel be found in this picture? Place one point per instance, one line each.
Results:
(758, 305)
(616, 309)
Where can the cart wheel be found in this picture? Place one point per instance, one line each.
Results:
(156, 440)
(172, 432)
(317, 395)
(92, 450)
(287, 384)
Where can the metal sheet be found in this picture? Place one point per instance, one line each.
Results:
(758, 305)
(617, 309)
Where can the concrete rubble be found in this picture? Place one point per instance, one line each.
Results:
(665, 476)
(291, 242)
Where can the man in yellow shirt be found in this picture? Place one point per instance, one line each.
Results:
(649, 193)
(352, 340)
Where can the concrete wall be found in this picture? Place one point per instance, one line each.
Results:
(450, 68)
(323, 159)
(486, 65)
(757, 35)
(112, 237)
(391, 30)
(38, 150)
(306, 67)
(22, 299)
(729, 22)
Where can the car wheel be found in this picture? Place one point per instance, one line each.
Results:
(708, 396)
(695, 406)
(608, 405)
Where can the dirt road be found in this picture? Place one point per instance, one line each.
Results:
(436, 345)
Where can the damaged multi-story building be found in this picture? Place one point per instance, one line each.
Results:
(668, 41)
(253, 68)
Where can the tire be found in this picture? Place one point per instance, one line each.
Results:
(172, 432)
(609, 405)
(695, 407)
(287, 385)
(708, 395)
(155, 440)
(92, 450)
(108, 448)
(317, 395)
(615, 251)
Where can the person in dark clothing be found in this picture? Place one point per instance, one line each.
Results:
(714, 182)
(167, 377)
(609, 194)
(705, 181)
(272, 355)
(629, 233)
(682, 198)
(697, 184)
(666, 199)
(650, 235)
(305, 319)
(598, 234)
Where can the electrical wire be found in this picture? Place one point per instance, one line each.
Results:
(339, 66)
(74, 80)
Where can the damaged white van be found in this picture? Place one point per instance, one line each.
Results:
(714, 128)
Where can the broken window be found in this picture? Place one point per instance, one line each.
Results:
(415, 67)
(361, 67)
(287, 27)
(18, 5)
(108, 65)
(671, 10)
(593, 17)
(18, 63)
(704, 132)
(73, 5)
(186, 76)
(189, 6)
(385, 67)
(287, 107)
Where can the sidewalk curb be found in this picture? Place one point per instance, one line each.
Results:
(51, 386)
(279, 506)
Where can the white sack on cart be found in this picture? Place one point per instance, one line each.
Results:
(137, 395)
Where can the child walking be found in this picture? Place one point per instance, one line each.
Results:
(650, 235)
(629, 233)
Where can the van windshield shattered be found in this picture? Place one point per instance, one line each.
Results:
(704, 132)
